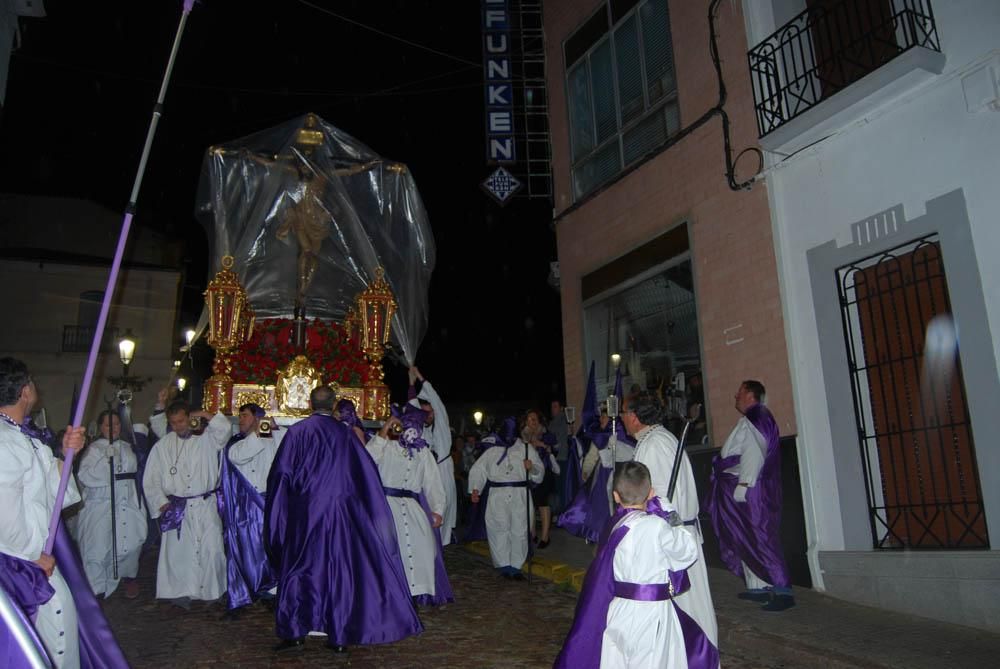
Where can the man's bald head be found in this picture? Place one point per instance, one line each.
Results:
(322, 398)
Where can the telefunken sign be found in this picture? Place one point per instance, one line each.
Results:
(498, 73)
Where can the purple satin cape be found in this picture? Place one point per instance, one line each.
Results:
(248, 571)
(574, 474)
(332, 542)
(98, 647)
(588, 514)
(582, 648)
(750, 532)
(12, 653)
(442, 586)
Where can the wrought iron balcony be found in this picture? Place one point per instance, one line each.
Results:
(830, 46)
(77, 339)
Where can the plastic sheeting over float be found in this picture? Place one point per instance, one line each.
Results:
(308, 212)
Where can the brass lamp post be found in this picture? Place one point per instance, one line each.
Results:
(375, 307)
(230, 323)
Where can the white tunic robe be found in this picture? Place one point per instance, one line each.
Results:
(253, 456)
(638, 633)
(506, 514)
(417, 544)
(439, 439)
(748, 443)
(94, 527)
(29, 478)
(194, 564)
(656, 448)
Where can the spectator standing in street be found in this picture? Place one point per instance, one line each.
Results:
(744, 502)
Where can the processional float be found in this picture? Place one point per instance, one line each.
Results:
(324, 255)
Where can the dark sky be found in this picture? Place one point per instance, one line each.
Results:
(80, 95)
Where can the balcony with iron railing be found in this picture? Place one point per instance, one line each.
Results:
(78, 338)
(835, 61)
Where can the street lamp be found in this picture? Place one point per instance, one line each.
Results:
(127, 385)
(181, 383)
(478, 417)
(616, 360)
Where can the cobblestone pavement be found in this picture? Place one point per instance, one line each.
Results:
(493, 623)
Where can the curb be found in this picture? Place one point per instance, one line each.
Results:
(551, 570)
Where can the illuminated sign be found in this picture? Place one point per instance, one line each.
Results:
(498, 73)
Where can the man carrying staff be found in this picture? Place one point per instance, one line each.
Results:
(181, 481)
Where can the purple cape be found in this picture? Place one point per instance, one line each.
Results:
(574, 474)
(750, 532)
(331, 539)
(582, 648)
(588, 514)
(442, 586)
(248, 572)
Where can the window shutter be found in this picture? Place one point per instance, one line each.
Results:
(657, 51)
(580, 116)
(603, 87)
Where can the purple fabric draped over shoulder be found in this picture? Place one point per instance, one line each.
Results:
(248, 571)
(574, 475)
(750, 532)
(442, 586)
(331, 539)
(98, 647)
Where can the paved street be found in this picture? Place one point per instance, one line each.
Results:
(494, 623)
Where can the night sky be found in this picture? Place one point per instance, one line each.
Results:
(80, 95)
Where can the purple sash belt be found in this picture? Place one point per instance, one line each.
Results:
(173, 516)
(677, 584)
(400, 492)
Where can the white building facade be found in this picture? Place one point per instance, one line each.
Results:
(880, 121)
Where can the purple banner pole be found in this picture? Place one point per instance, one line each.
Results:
(109, 290)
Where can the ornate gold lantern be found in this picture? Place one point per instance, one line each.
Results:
(230, 323)
(376, 307)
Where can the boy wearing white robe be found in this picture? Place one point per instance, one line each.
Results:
(29, 478)
(508, 507)
(94, 528)
(656, 448)
(414, 470)
(192, 562)
(645, 633)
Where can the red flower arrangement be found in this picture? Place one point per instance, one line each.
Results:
(270, 348)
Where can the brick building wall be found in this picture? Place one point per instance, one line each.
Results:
(736, 284)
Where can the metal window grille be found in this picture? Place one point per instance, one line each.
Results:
(913, 424)
(828, 47)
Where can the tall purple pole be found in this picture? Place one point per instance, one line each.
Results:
(109, 290)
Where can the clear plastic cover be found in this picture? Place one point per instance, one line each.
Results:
(308, 213)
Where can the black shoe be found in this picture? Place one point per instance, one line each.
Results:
(755, 596)
(543, 544)
(336, 648)
(506, 575)
(518, 577)
(290, 645)
(779, 603)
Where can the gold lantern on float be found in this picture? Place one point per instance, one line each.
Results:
(230, 323)
(376, 307)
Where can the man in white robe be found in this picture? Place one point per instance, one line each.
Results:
(254, 452)
(181, 480)
(101, 461)
(407, 468)
(656, 448)
(29, 478)
(437, 434)
(508, 504)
